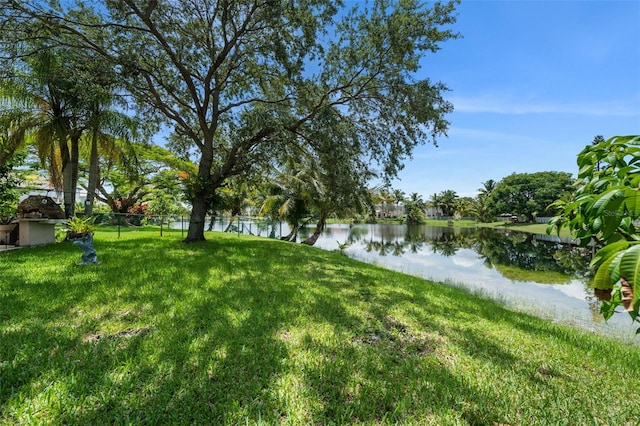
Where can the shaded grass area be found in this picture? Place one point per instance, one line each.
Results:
(243, 330)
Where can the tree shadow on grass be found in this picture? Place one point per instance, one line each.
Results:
(213, 332)
(196, 335)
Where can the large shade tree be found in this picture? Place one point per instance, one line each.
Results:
(529, 194)
(241, 81)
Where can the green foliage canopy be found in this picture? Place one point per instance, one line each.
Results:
(529, 194)
(414, 209)
(243, 83)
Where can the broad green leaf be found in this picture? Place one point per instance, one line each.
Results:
(602, 279)
(614, 268)
(632, 201)
(624, 172)
(608, 308)
(610, 222)
(612, 159)
(599, 183)
(630, 265)
(585, 170)
(607, 252)
(585, 161)
(610, 201)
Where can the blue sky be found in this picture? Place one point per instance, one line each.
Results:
(532, 83)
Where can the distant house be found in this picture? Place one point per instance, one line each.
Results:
(433, 212)
(389, 211)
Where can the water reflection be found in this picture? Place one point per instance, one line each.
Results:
(518, 256)
(537, 273)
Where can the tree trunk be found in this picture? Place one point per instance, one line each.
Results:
(212, 221)
(93, 175)
(75, 158)
(65, 165)
(202, 189)
(66, 190)
(322, 221)
(196, 220)
(230, 224)
(70, 176)
(292, 236)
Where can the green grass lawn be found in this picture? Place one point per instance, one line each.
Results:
(533, 228)
(242, 330)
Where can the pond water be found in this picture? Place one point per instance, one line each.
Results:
(538, 274)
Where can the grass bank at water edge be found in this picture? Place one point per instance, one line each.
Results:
(243, 330)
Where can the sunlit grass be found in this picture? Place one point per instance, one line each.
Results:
(530, 228)
(241, 330)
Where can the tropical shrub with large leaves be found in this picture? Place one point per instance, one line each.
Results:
(604, 211)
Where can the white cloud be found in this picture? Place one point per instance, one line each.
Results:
(501, 104)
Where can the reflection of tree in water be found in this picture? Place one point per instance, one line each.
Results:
(444, 241)
(381, 241)
(574, 259)
(398, 240)
(517, 255)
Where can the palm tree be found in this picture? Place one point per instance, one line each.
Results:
(386, 198)
(487, 187)
(11, 127)
(449, 200)
(287, 199)
(312, 185)
(465, 206)
(398, 197)
(481, 209)
(59, 100)
(435, 202)
(45, 99)
(111, 134)
(414, 209)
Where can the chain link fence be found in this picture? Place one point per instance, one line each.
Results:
(234, 224)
